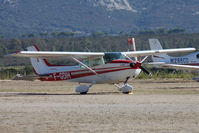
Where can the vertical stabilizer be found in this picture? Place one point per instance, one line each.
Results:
(155, 45)
(131, 43)
(38, 64)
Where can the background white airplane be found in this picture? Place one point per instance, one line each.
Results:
(188, 62)
(93, 68)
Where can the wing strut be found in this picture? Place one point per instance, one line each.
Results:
(85, 66)
(88, 68)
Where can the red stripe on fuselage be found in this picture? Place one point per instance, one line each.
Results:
(69, 74)
(121, 61)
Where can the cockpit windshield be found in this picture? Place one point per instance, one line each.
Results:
(108, 57)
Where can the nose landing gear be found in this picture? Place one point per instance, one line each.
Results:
(125, 88)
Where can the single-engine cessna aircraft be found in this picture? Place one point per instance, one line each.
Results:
(93, 68)
(188, 62)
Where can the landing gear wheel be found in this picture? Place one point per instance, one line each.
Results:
(130, 93)
(83, 93)
(82, 89)
(126, 88)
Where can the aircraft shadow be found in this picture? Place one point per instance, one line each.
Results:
(64, 94)
(184, 88)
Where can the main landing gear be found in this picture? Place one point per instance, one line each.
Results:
(125, 88)
(83, 89)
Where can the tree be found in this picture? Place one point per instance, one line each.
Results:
(16, 44)
(2, 36)
(23, 35)
(65, 34)
(43, 34)
(176, 31)
(161, 31)
(147, 32)
(97, 34)
(54, 34)
(31, 35)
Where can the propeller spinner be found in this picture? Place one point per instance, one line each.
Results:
(139, 64)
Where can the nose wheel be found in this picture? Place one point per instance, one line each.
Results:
(125, 88)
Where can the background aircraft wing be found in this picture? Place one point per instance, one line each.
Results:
(50, 54)
(175, 66)
(155, 52)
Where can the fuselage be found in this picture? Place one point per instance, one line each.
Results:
(190, 59)
(106, 73)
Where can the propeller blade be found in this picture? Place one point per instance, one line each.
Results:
(145, 70)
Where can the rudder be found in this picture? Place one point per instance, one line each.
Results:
(155, 45)
(38, 64)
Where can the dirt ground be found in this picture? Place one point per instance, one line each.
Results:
(157, 106)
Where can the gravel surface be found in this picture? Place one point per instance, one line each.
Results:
(157, 106)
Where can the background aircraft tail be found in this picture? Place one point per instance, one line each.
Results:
(155, 45)
(39, 65)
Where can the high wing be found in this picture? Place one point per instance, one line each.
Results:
(175, 66)
(51, 54)
(155, 52)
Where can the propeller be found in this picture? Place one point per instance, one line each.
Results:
(139, 64)
(145, 70)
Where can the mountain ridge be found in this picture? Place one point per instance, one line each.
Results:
(88, 16)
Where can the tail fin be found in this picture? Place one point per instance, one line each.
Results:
(155, 45)
(131, 43)
(38, 64)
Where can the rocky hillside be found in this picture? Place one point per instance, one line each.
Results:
(19, 17)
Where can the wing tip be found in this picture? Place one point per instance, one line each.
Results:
(13, 53)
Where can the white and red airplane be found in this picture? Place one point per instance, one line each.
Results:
(187, 62)
(93, 68)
